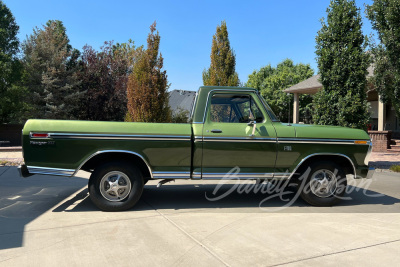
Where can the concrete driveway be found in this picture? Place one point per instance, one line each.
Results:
(49, 221)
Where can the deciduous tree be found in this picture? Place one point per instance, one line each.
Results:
(342, 64)
(223, 61)
(104, 76)
(385, 18)
(270, 81)
(148, 84)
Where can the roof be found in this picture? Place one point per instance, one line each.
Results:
(312, 84)
(181, 99)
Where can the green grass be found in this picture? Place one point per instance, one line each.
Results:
(395, 168)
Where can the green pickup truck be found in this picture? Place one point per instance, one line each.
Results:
(231, 127)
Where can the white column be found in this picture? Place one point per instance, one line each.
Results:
(381, 115)
(296, 108)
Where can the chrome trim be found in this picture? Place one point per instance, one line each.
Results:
(321, 154)
(318, 141)
(50, 171)
(367, 157)
(208, 97)
(239, 139)
(167, 175)
(250, 176)
(196, 175)
(119, 136)
(114, 151)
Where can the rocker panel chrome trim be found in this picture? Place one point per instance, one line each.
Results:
(166, 175)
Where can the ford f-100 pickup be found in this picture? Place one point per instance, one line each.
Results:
(230, 127)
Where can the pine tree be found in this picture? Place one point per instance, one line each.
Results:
(50, 72)
(342, 63)
(148, 84)
(223, 61)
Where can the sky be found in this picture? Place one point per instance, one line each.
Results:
(261, 32)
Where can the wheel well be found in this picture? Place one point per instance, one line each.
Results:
(344, 162)
(102, 158)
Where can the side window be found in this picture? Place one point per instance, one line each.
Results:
(234, 109)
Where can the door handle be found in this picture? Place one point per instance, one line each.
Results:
(216, 131)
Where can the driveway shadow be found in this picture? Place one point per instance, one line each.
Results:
(170, 198)
(24, 200)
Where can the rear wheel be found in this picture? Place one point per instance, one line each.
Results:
(325, 184)
(115, 186)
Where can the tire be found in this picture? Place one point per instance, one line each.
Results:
(321, 192)
(115, 186)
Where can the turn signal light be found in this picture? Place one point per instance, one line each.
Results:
(360, 142)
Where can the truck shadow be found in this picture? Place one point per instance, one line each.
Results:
(24, 200)
(199, 198)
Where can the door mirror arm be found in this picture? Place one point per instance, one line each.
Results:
(254, 124)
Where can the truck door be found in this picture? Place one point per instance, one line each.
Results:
(237, 133)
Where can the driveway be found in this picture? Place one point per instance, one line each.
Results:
(48, 221)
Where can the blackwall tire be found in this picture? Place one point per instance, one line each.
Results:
(115, 186)
(325, 184)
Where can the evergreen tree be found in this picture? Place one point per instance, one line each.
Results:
(271, 81)
(385, 18)
(51, 72)
(342, 64)
(148, 84)
(223, 61)
(11, 93)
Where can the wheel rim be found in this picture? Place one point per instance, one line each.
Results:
(115, 186)
(323, 183)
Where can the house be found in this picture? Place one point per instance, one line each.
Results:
(384, 123)
(181, 100)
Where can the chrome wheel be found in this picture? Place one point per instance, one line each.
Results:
(115, 186)
(323, 183)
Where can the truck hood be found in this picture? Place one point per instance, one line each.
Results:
(329, 132)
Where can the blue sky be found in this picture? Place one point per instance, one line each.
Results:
(260, 32)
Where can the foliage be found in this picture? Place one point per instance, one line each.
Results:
(271, 81)
(395, 168)
(50, 72)
(385, 19)
(11, 93)
(223, 61)
(180, 115)
(342, 63)
(104, 76)
(148, 84)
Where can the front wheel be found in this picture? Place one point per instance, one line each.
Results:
(325, 184)
(115, 186)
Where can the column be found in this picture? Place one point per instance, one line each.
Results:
(381, 115)
(295, 108)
